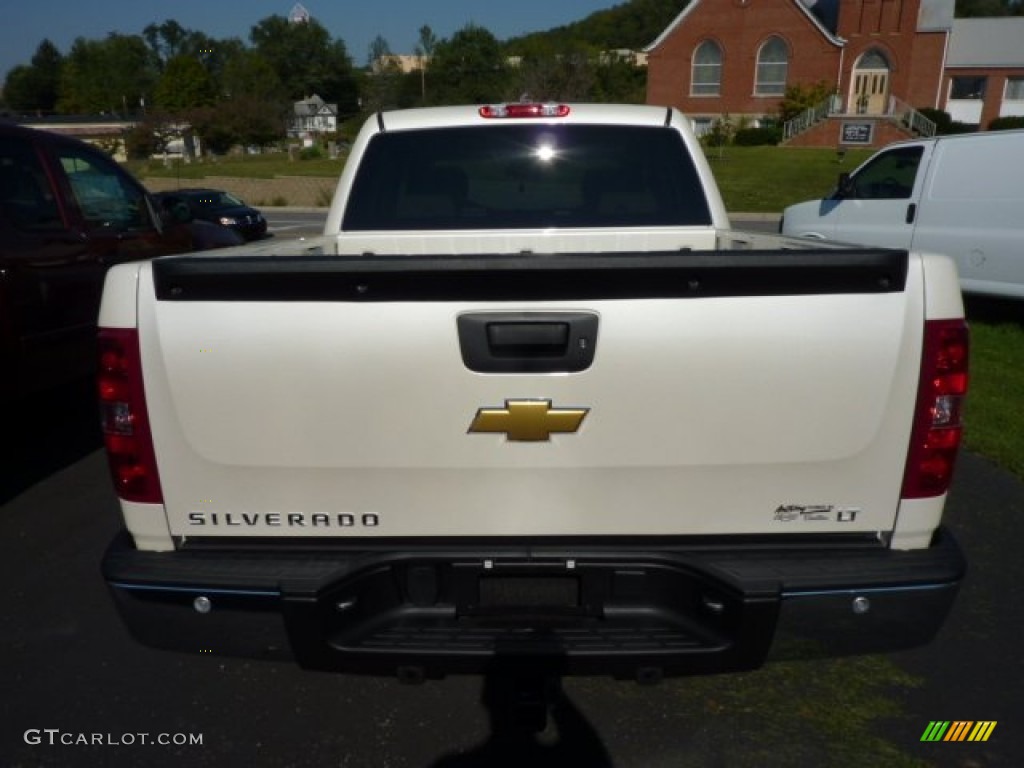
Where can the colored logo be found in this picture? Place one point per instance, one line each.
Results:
(528, 420)
(958, 730)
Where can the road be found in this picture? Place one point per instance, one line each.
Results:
(69, 672)
(295, 222)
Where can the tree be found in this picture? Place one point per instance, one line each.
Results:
(142, 141)
(170, 40)
(166, 40)
(547, 74)
(379, 52)
(721, 133)
(383, 84)
(307, 61)
(426, 43)
(256, 122)
(240, 120)
(249, 75)
(633, 25)
(424, 51)
(619, 80)
(34, 88)
(214, 125)
(800, 97)
(185, 84)
(106, 76)
(469, 68)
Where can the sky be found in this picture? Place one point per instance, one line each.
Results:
(356, 22)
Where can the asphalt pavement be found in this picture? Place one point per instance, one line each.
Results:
(78, 691)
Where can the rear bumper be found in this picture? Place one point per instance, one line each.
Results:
(628, 611)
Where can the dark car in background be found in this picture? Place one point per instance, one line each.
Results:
(218, 207)
(68, 212)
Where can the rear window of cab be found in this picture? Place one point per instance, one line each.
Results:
(526, 176)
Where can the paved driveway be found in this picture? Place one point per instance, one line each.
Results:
(69, 672)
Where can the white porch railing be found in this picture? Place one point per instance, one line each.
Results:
(898, 110)
(909, 117)
(811, 117)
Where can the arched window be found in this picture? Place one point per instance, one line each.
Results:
(772, 65)
(706, 77)
(873, 59)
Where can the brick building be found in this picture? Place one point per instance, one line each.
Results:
(984, 77)
(884, 58)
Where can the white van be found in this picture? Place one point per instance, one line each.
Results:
(958, 195)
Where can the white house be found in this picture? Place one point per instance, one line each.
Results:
(313, 115)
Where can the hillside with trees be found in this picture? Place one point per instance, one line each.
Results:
(637, 23)
(632, 25)
(233, 92)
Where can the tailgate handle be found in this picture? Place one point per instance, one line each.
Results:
(527, 342)
(528, 339)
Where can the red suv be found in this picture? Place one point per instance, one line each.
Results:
(67, 212)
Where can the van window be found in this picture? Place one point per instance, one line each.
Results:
(105, 197)
(888, 176)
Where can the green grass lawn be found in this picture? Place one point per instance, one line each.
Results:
(752, 179)
(265, 166)
(767, 179)
(995, 404)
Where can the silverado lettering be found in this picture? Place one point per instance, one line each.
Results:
(277, 519)
(529, 341)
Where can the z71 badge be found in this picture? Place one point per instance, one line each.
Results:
(787, 513)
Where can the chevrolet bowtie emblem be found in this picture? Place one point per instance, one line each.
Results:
(528, 421)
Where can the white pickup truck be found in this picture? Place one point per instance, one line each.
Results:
(530, 401)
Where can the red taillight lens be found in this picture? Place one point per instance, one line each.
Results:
(123, 417)
(938, 420)
(524, 110)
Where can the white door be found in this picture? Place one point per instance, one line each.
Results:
(869, 91)
(879, 206)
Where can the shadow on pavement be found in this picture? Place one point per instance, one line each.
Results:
(46, 432)
(534, 724)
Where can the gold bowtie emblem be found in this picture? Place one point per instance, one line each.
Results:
(528, 421)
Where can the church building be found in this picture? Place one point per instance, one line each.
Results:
(884, 60)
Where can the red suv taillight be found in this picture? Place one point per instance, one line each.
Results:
(124, 419)
(938, 420)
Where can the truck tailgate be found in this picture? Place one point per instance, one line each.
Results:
(728, 393)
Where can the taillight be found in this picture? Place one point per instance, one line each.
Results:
(524, 110)
(938, 421)
(123, 417)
